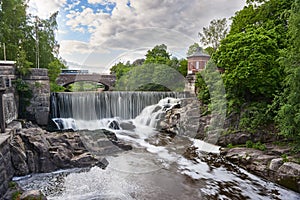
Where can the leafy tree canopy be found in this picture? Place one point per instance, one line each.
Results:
(214, 33)
(27, 38)
(158, 55)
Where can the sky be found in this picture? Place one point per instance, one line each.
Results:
(95, 34)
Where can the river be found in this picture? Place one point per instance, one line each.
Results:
(160, 166)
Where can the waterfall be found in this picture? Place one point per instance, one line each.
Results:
(90, 106)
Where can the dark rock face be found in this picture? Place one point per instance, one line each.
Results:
(181, 119)
(34, 150)
(266, 164)
(242, 138)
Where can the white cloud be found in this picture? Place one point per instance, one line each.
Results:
(143, 24)
(45, 8)
(125, 28)
(67, 47)
(97, 1)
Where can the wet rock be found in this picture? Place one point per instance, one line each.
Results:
(102, 163)
(19, 157)
(32, 194)
(275, 164)
(182, 118)
(267, 165)
(35, 150)
(290, 168)
(114, 125)
(127, 126)
(84, 160)
(234, 139)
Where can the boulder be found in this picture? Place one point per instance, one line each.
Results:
(32, 194)
(290, 168)
(34, 151)
(266, 164)
(275, 164)
(127, 126)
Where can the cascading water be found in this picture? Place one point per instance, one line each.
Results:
(92, 105)
(156, 167)
(91, 110)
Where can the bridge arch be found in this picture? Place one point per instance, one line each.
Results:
(106, 87)
(107, 80)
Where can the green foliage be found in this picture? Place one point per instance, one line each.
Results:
(156, 73)
(194, 48)
(249, 59)
(257, 145)
(288, 117)
(13, 27)
(23, 65)
(203, 92)
(158, 55)
(255, 115)
(260, 62)
(214, 33)
(25, 94)
(56, 88)
(182, 68)
(120, 69)
(54, 69)
(210, 88)
(85, 86)
(285, 157)
(23, 88)
(151, 77)
(12, 185)
(24, 36)
(16, 195)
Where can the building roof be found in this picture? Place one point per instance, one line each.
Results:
(198, 53)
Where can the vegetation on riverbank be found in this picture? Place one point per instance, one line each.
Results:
(155, 73)
(259, 59)
(29, 40)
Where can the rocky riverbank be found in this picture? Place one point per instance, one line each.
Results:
(269, 164)
(272, 162)
(34, 150)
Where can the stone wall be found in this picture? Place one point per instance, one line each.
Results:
(38, 110)
(10, 107)
(7, 71)
(6, 169)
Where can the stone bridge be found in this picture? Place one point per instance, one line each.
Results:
(67, 79)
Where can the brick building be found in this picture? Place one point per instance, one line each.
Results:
(197, 61)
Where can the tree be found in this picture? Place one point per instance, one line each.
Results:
(194, 48)
(120, 69)
(214, 33)
(151, 77)
(12, 27)
(158, 55)
(288, 116)
(21, 33)
(183, 63)
(250, 62)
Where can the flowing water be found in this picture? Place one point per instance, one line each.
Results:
(160, 166)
